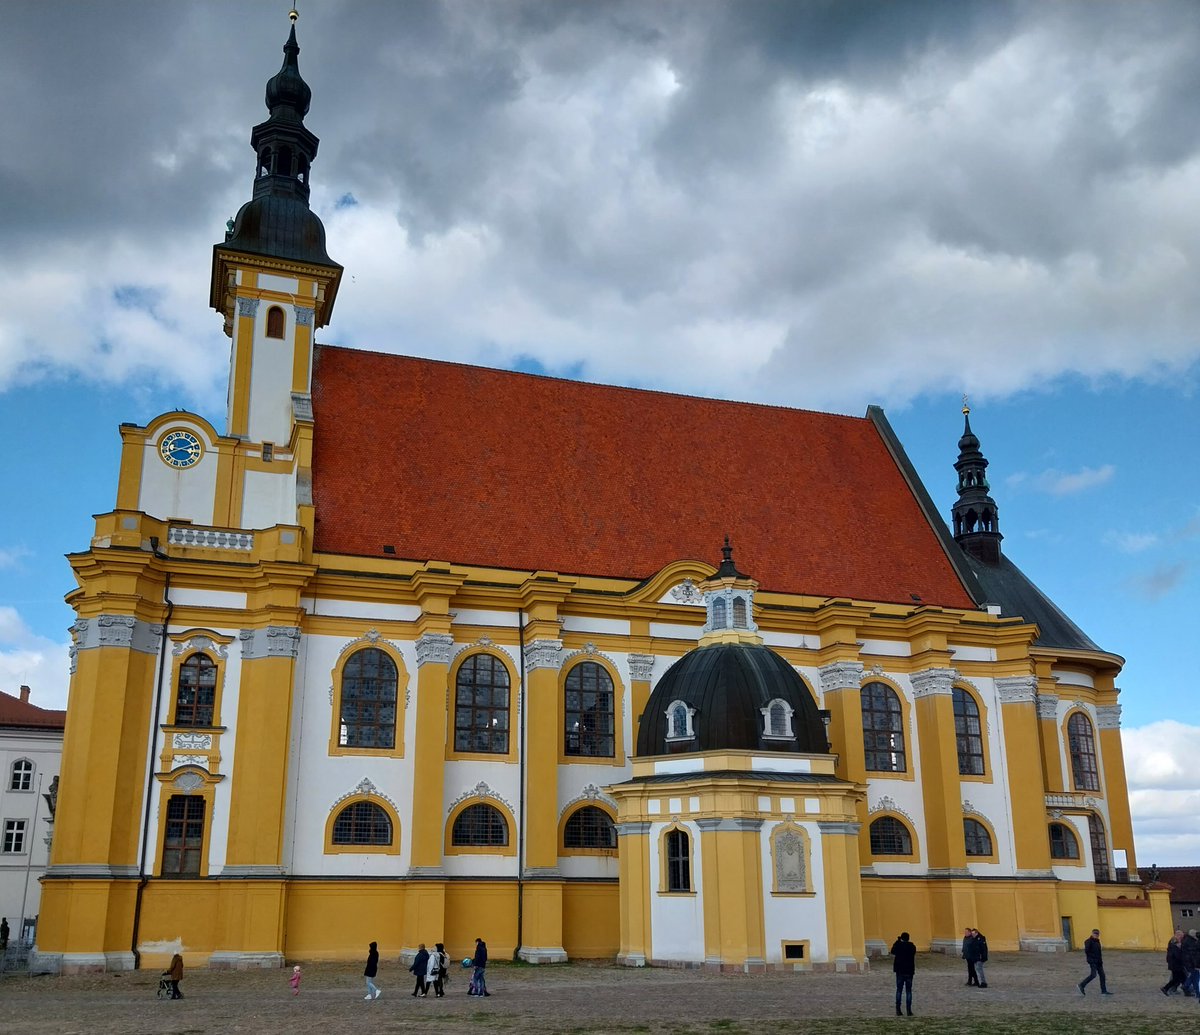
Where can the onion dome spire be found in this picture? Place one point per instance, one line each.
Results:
(975, 515)
(277, 221)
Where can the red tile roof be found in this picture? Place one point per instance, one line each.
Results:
(1184, 881)
(493, 468)
(15, 712)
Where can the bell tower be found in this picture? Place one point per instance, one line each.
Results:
(272, 279)
(975, 515)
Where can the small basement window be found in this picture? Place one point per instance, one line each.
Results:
(793, 950)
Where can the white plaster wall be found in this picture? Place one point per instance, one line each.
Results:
(670, 631)
(502, 619)
(19, 873)
(207, 598)
(790, 917)
(1070, 677)
(794, 640)
(187, 495)
(887, 648)
(269, 498)
(361, 609)
(270, 415)
(963, 653)
(676, 921)
(578, 623)
(284, 285)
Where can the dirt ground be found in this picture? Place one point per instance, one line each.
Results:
(1025, 993)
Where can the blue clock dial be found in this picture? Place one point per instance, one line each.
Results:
(180, 449)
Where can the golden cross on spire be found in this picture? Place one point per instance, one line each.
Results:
(966, 409)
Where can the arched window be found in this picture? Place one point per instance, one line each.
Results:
(183, 838)
(719, 620)
(1063, 843)
(679, 721)
(588, 714)
(976, 838)
(275, 322)
(890, 837)
(1100, 869)
(777, 720)
(362, 823)
(883, 729)
(22, 775)
(1082, 745)
(679, 861)
(481, 705)
(589, 827)
(369, 681)
(739, 613)
(479, 826)
(969, 732)
(197, 692)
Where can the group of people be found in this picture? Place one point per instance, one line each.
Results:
(431, 970)
(974, 951)
(1183, 961)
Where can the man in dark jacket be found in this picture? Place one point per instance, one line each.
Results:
(1175, 963)
(1191, 962)
(904, 965)
(979, 953)
(419, 966)
(479, 961)
(972, 978)
(1093, 953)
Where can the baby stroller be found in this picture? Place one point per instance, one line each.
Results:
(164, 986)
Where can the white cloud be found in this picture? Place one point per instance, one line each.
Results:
(11, 556)
(1067, 483)
(1131, 542)
(1164, 797)
(27, 659)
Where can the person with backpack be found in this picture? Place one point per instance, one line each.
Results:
(435, 974)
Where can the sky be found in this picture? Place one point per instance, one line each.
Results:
(817, 204)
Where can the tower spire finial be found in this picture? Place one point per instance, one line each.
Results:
(975, 514)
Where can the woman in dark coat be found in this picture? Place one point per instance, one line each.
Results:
(370, 970)
(419, 967)
(175, 973)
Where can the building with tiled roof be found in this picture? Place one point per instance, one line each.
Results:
(31, 741)
(410, 651)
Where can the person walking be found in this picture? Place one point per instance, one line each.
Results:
(420, 965)
(1094, 954)
(370, 970)
(972, 977)
(1175, 963)
(979, 943)
(294, 980)
(904, 965)
(175, 973)
(1191, 963)
(3, 933)
(433, 972)
(479, 962)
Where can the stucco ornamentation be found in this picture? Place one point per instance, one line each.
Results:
(1017, 689)
(641, 666)
(480, 790)
(887, 803)
(247, 306)
(1047, 706)
(210, 538)
(931, 682)
(365, 788)
(589, 651)
(434, 649)
(201, 642)
(789, 851)
(179, 761)
(191, 741)
(1108, 716)
(686, 593)
(543, 654)
(840, 675)
(187, 782)
(304, 315)
(275, 641)
(590, 792)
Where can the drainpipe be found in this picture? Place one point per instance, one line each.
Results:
(162, 665)
(521, 794)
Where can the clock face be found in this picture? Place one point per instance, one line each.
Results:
(180, 449)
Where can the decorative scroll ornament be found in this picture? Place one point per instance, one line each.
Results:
(641, 666)
(889, 804)
(588, 651)
(1017, 689)
(791, 860)
(687, 593)
(364, 789)
(188, 782)
(179, 761)
(933, 682)
(370, 638)
(191, 742)
(201, 642)
(971, 810)
(434, 649)
(590, 792)
(480, 790)
(543, 654)
(840, 675)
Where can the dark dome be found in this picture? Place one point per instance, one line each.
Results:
(285, 89)
(728, 684)
(284, 227)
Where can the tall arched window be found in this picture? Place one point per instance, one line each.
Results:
(481, 705)
(183, 838)
(589, 827)
(22, 775)
(197, 692)
(1082, 745)
(976, 838)
(883, 729)
(890, 837)
(588, 712)
(719, 620)
(362, 823)
(679, 861)
(969, 732)
(369, 681)
(1063, 843)
(1100, 868)
(679, 721)
(275, 322)
(777, 720)
(479, 826)
(740, 620)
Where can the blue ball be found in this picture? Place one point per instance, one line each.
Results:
(468, 962)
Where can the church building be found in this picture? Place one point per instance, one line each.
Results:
(409, 651)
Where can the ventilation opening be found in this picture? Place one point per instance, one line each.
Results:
(268, 452)
(793, 950)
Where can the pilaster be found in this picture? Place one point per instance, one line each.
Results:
(933, 690)
(734, 918)
(841, 683)
(843, 896)
(1026, 789)
(1116, 789)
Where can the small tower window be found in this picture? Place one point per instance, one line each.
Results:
(679, 721)
(275, 322)
(719, 621)
(739, 613)
(777, 720)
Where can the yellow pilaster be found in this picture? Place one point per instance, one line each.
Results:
(634, 868)
(243, 359)
(734, 923)
(1026, 789)
(1051, 741)
(1116, 790)
(840, 692)
(843, 896)
(933, 688)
